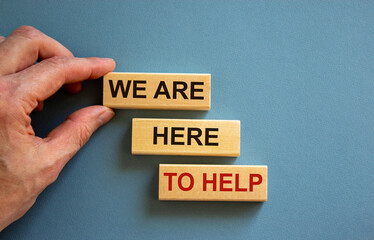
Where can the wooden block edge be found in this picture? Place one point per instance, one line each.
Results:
(154, 73)
(182, 154)
(173, 107)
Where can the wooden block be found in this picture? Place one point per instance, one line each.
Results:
(157, 91)
(185, 137)
(212, 182)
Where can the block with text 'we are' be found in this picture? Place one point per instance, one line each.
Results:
(186, 137)
(157, 91)
(212, 182)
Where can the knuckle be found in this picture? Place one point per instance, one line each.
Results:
(4, 87)
(53, 175)
(56, 60)
(26, 28)
(58, 63)
(28, 32)
(50, 173)
(84, 134)
(7, 90)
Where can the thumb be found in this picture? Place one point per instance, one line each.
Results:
(66, 139)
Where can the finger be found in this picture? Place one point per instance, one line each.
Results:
(2, 39)
(23, 48)
(73, 88)
(42, 80)
(65, 140)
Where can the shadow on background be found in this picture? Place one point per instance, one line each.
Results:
(59, 106)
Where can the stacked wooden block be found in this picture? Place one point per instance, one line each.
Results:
(185, 137)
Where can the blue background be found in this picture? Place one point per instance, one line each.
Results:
(298, 74)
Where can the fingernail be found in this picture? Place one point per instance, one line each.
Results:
(110, 61)
(105, 116)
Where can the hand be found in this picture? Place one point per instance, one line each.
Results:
(28, 164)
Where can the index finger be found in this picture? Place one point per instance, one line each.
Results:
(43, 79)
(24, 46)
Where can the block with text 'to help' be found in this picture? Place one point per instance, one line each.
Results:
(212, 182)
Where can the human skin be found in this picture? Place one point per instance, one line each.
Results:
(28, 164)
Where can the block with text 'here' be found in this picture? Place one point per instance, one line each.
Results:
(186, 137)
(157, 91)
(212, 182)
